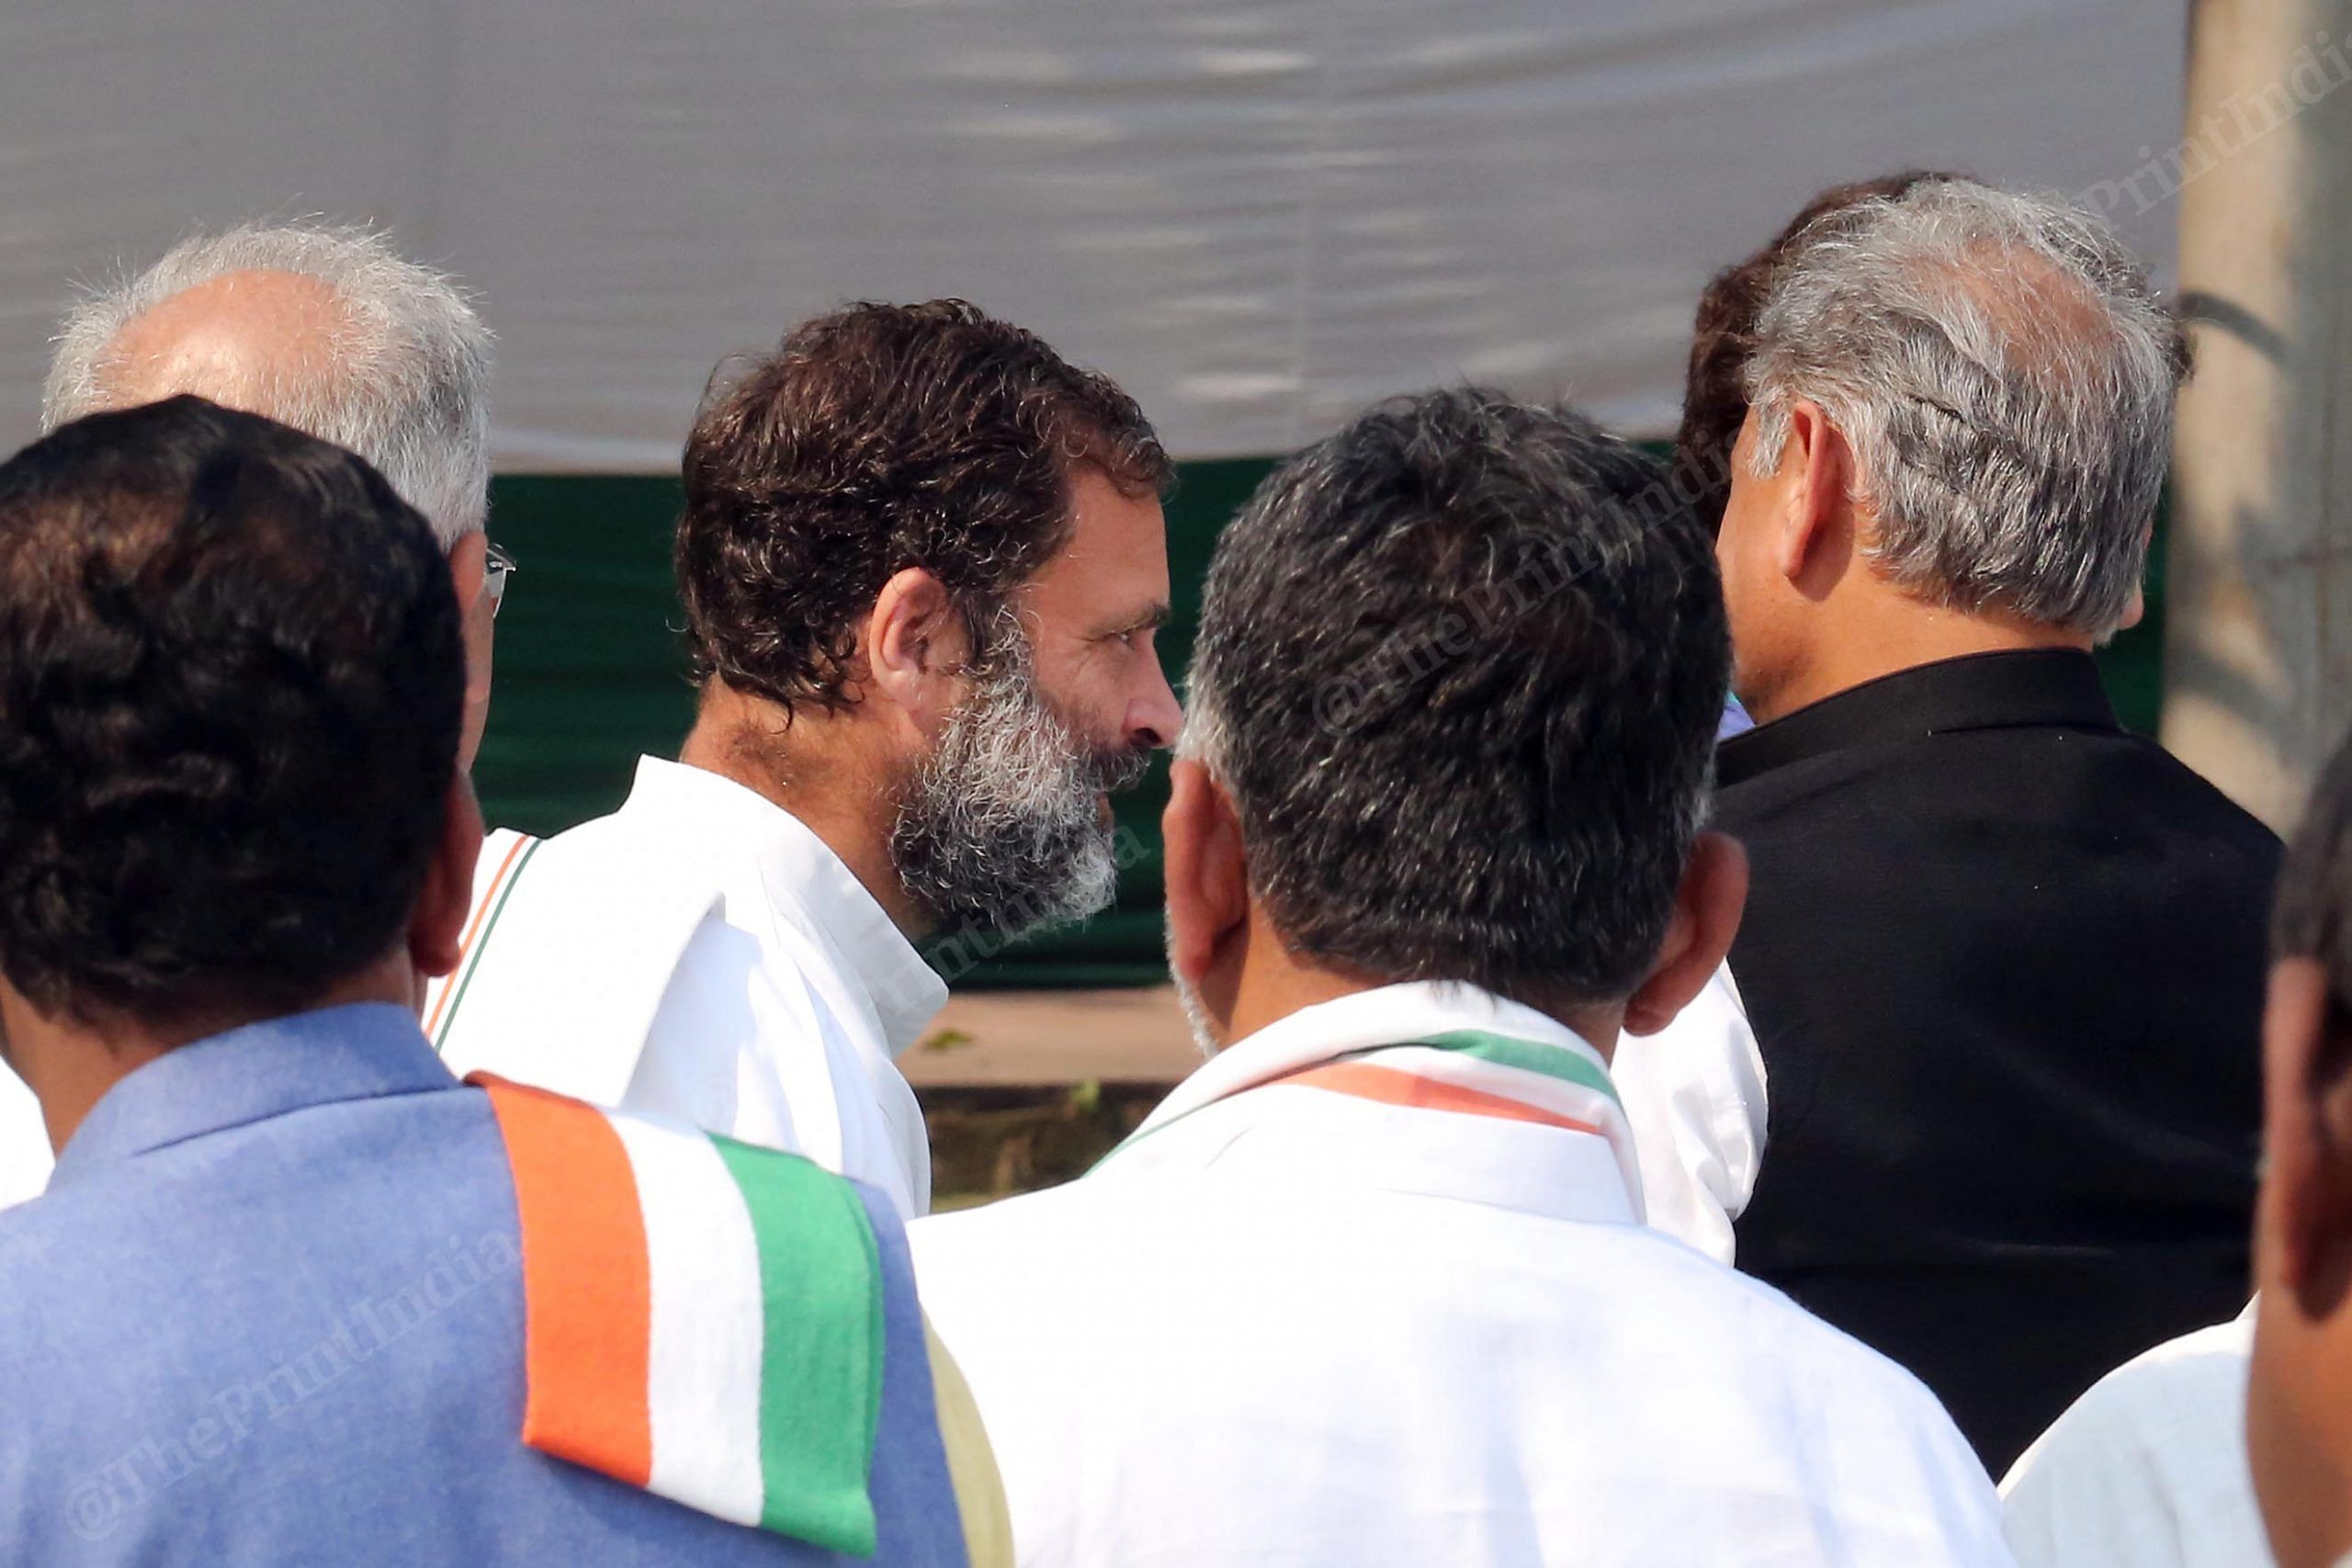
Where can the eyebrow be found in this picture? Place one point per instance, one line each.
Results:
(1153, 618)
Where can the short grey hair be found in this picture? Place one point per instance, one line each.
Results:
(410, 374)
(2004, 375)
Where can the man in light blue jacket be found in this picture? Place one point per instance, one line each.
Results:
(295, 1294)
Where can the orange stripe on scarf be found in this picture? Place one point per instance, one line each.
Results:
(1390, 1086)
(587, 1298)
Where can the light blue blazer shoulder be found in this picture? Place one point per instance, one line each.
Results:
(270, 1311)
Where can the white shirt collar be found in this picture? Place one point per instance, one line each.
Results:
(1498, 1160)
(731, 821)
(1387, 1015)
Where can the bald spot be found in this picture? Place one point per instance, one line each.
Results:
(238, 339)
(2043, 313)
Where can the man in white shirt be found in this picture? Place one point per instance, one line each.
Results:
(1695, 1096)
(1372, 1287)
(2148, 1468)
(327, 330)
(2192, 1453)
(922, 559)
(2299, 1397)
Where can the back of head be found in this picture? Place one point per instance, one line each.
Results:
(2298, 1411)
(2312, 914)
(2004, 376)
(229, 684)
(326, 329)
(1460, 668)
(1715, 387)
(873, 440)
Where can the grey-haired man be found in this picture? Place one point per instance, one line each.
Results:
(328, 329)
(2003, 960)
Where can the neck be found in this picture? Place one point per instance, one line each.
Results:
(70, 1064)
(1269, 983)
(819, 767)
(1887, 638)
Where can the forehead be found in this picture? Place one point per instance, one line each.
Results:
(1115, 559)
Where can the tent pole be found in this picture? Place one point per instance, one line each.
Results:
(2258, 635)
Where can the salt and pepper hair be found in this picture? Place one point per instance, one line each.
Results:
(407, 382)
(2004, 375)
(1459, 669)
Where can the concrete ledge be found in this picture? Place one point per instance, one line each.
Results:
(1046, 1039)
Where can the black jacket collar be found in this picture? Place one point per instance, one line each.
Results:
(1981, 691)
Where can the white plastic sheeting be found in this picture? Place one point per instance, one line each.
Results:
(1257, 216)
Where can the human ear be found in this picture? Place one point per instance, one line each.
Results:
(1707, 907)
(437, 926)
(1818, 498)
(915, 646)
(2137, 610)
(468, 558)
(2306, 1207)
(1206, 875)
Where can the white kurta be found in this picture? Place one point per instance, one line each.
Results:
(1694, 1093)
(25, 1156)
(703, 954)
(1325, 1321)
(2148, 1469)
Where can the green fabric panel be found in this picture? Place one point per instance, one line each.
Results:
(820, 1354)
(590, 672)
(590, 668)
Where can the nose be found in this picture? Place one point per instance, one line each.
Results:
(1153, 715)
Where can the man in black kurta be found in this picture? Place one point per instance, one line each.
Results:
(2005, 964)
(2002, 961)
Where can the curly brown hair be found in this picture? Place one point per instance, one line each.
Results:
(1714, 392)
(875, 439)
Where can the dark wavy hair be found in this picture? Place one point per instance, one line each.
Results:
(231, 679)
(880, 438)
(2312, 911)
(1714, 390)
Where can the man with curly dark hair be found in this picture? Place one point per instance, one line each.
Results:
(922, 559)
(295, 1295)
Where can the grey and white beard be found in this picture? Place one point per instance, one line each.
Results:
(1001, 828)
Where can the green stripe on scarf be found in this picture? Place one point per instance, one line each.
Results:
(1528, 1056)
(1503, 1050)
(482, 944)
(821, 1352)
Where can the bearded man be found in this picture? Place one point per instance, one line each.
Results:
(1372, 1287)
(922, 559)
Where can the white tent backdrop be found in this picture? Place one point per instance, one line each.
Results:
(1256, 216)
